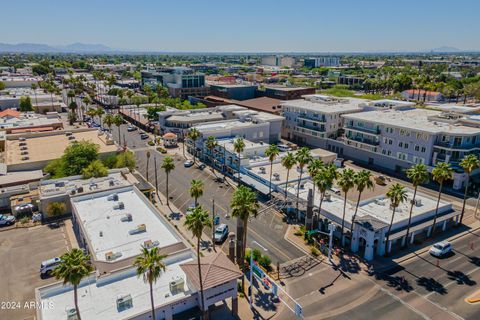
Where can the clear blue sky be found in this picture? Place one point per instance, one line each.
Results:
(245, 25)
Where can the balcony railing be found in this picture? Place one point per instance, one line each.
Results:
(449, 145)
(304, 117)
(313, 128)
(363, 140)
(374, 131)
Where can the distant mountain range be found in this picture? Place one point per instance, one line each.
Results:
(43, 48)
(446, 49)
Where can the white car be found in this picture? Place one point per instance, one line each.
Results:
(188, 163)
(440, 249)
(221, 233)
(47, 266)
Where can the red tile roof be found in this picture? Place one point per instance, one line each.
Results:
(9, 113)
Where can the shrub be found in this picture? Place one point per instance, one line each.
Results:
(314, 251)
(151, 143)
(24, 220)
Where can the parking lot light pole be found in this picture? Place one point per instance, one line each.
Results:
(213, 224)
(251, 269)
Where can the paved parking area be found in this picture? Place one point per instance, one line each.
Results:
(21, 253)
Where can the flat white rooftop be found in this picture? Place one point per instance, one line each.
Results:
(108, 230)
(327, 106)
(97, 297)
(415, 119)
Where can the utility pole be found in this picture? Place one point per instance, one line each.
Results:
(213, 224)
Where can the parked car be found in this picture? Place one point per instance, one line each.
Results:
(202, 166)
(221, 233)
(440, 249)
(283, 148)
(131, 128)
(380, 180)
(6, 220)
(144, 136)
(188, 163)
(46, 267)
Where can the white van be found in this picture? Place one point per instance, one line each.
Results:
(47, 266)
(283, 148)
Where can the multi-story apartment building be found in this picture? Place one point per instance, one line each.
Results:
(397, 139)
(325, 61)
(313, 120)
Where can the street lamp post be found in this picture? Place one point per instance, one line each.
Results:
(251, 269)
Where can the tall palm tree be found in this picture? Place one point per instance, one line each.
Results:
(238, 147)
(150, 266)
(314, 166)
(441, 173)
(148, 161)
(168, 165)
(108, 121)
(288, 162)
(303, 157)
(196, 223)
(34, 87)
(193, 134)
(196, 190)
(118, 121)
(419, 175)
(397, 194)
(99, 113)
(324, 181)
(74, 266)
(363, 180)
(469, 163)
(272, 153)
(211, 143)
(346, 181)
(244, 206)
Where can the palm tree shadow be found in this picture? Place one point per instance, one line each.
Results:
(461, 278)
(432, 285)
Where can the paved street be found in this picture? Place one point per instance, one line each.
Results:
(268, 229)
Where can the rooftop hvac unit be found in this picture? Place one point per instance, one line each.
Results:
(71, 314)
(80, 189)
(22, 144)
(113, 197)
(418, 202)
(276, 175)
(22, 139)
(111, 183)
(24, 148)
(24, 153)
(127, 218)
(177, 285)
(328, 197)
(68, 133)
(118, 205)
(71, 138)
(124, 302)
(25, 158)
(262, 170)
(139, 229)
(110, 256)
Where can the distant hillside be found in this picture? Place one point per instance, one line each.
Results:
(446, 49)
(43, 48)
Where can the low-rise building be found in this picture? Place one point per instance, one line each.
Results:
(286, 93)
(19, 81)
(233, 91)
(325, 61)
(14, 122)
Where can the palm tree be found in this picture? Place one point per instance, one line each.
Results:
(108, 121)
(238, 147)
(418, 174)
(469, 163)
(288, 162)
(150, 266)
(118, 121)
(34, 87)
(363, 180)
(196, 190)
(303, 157)
(74, 266)
(99, 113)
(313, 168)
(272, 153)
(196, 223)
(397, 195)
(168, 165)
(441, 173)
(244, 206)
(346, 182)
(324, 181)
(148, 160)
(193, 134)
(211, 143)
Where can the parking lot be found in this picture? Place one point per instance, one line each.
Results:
(21, 253)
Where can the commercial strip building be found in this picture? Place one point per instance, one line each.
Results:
(113, 220)
(373, 219)
(14, 122)
(19, 81)
(41, 101)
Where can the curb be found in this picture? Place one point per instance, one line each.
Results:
(293, 243)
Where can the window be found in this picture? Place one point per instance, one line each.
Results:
(400, 144)
(260, 134)
(424, 149)
(405, 145)
(390, 141)
(417, 148)
(389, 153)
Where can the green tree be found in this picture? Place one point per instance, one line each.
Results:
(99, 112)
(418, 174)
(272, 153)
(363, 180)
(324, 181)
(118, 121)
(55, 209)
(196, 190)
(468, 163)
(313, 167)
(168, 165)
(77, 156)
(150, 266)
(95, 169)
(25, 104)
(74, 266)
(441, 173)
(193, 134)
(288, 162)
(108, 121)
(303, 157)
(238, 147)
(346, 181)
(211, 143)
(126, 160)
(196, 222)
(2, 85)
(244, 206)
(397, 194)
